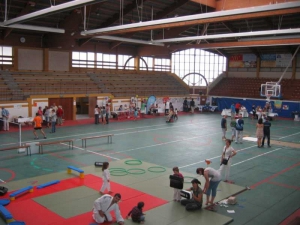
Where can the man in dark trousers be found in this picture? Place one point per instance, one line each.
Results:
(267, 126)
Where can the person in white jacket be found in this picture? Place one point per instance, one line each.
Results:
(104, 205)
(105, 178)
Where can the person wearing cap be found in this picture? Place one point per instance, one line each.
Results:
(210, 187)
(137, 214)
(197, 194)
(104, 205)
(5, 116)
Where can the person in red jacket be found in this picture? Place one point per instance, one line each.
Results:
(59, 114)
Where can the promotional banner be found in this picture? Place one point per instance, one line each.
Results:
(240, 61)
(277, 104)
(283, 60)
(151, 100)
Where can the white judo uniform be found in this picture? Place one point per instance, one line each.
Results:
(105, 178)
(104, 204)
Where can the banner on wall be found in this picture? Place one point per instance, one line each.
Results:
(278, 104)
(241, 61)
(268, 60)
(285, 107)
(283, 60)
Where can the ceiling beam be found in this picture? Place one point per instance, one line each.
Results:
(213, 17)
(25, 10)
(246, 44)
(210, 3)
(71, 24)
(50, 11)
(158, 16)
(116, 17)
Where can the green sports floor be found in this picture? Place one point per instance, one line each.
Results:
(267, 184)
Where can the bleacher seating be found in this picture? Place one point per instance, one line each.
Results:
(125, 83)
(249, 88)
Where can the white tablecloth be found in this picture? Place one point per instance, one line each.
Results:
(227, 112)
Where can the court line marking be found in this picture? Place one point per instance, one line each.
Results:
(92, 152)
(243, 149)
(277, 149)
(103, 132)
(165, 143)
(289, 135)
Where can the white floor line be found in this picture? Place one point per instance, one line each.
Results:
(256, 156)
(243, 149)
(110, 131)
(289, 135)
(92, 152)
(165, 143)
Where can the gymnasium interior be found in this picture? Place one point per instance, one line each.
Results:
(133, 58)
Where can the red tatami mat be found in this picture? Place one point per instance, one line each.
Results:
(33, 213)
(26, 210)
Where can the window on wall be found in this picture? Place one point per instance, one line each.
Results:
(6, 56)
(162, 65)
(122, 59)
(197, 61)
(149, 62)
(83, 59)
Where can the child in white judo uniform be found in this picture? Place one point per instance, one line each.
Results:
(105, 178)
(104, 205)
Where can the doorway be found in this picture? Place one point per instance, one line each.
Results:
(85, 107)
(67, 105)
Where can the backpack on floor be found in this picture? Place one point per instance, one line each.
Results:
(3, 190)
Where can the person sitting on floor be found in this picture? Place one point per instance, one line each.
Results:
(196, 201)
(104, 205)
(137, 214)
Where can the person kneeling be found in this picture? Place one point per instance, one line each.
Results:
(196, 201)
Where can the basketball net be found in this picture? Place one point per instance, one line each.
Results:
(268, 97)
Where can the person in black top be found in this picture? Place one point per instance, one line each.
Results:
(267, 126)
(137, 214)
(185, 105)
(192, 105)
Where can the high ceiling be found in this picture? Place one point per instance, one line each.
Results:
(110, 13)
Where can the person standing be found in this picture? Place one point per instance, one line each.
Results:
(177, 196)
(259, 131)
(212, 180)
(53, 118)
(167, 107)
(192, 103)
(59, 114)
(227, 154)
(224, 126)
(46, 115)
(96, 114)
(5, 116)
(185, 105)
(105, 178)
(239, 130)
(104, 205)
(237, 108)
(197, 197)
(107, 113)
(37, 123)
(233, 128)
(267, 126)
(232, 108)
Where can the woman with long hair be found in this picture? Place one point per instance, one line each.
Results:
(259, 132)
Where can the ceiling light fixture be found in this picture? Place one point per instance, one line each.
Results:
(50, 10)
(37, 28)
(224, 13)
(130, 40)
(242, 34)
